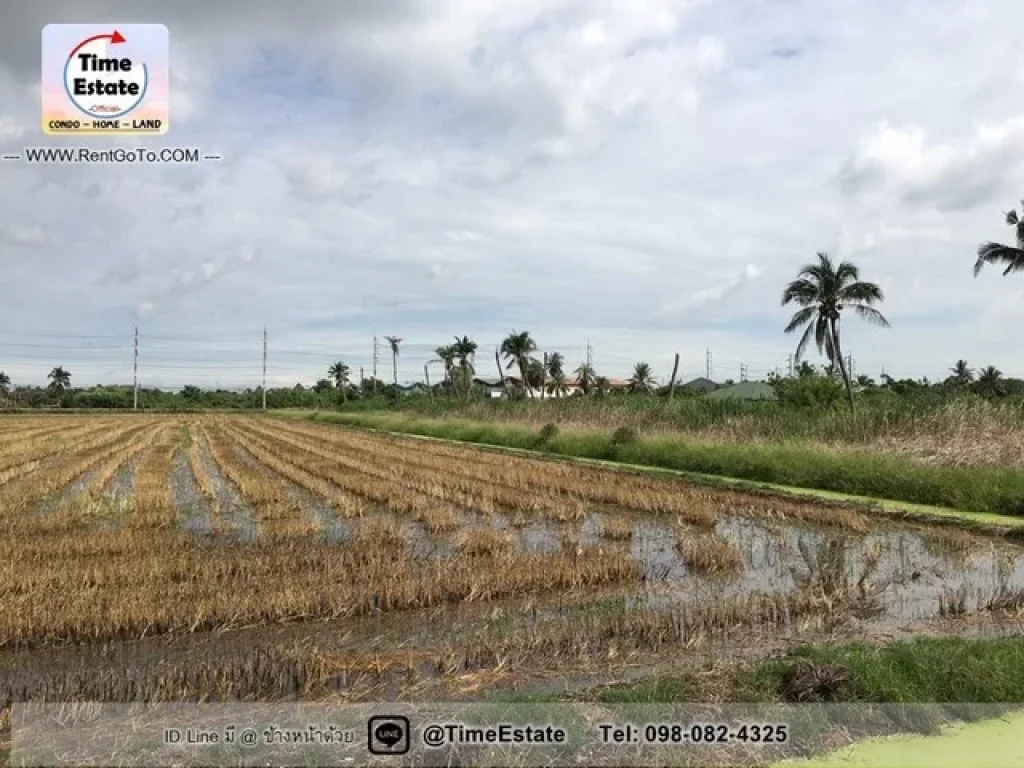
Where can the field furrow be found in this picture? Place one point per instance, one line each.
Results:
(379, 546)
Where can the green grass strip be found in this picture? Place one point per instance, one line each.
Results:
(874, 482)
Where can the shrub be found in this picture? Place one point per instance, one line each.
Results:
(625, 436)
(548, 433)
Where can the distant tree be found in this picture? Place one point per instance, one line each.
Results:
(865, 381)
(558, 384)
(339, 372)
(323, 386)
(642, 379)
(446, 356)
(465, 351)
(805, 369)
(602, 385)
(191, 392)
(60, 379)
(962, 376)
(5, 384)
(989, 383)
(394, 342)
(586, 377)
(1004, 255)
(518, 349)
(556, 363)
(535, 374)
(824, 290)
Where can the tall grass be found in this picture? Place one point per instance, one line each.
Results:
(877, 417)
(872, 474)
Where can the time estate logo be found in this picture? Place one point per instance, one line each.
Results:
(105, 79)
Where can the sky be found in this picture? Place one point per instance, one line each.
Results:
(643, 174)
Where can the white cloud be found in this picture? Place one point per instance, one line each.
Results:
(712, 295)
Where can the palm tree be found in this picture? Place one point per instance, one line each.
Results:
(601, 384)
(989, 382)
(642, 379)
(558, 385)
(962, 373)
(394, 341)
(60, 379)
(997, 253)
(465, 349)
(824, 290)
(339, 372)
(586, 377)
(518, 348)
(446, 356)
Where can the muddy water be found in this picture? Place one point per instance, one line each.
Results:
(236, 513)
(194, 511)
(67, 493)
(317, 508)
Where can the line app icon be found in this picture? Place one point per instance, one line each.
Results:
(105, 79)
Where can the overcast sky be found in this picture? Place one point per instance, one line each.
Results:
(643, 173)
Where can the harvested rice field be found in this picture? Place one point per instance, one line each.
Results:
(217, 557)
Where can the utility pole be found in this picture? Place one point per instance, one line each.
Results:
(743, 371)
(672, 383)
(849, 366)
(707, 363)
(374, 365)
(135, 379)
(361, 377)
(792, 366)
(426, 378)
(264, 367)
(590, 354)
(544, 377)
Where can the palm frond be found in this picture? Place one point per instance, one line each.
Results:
(847, 272)
(822, 336)
(867, 293)
(995, 253)
(802, 291)
(802, 317)
(870, 314)
(804, 340)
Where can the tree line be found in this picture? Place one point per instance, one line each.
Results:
(822, 290)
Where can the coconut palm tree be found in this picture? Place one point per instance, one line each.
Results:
(465, 350)
(60, 379)
(394, 341)
(824, 290)
(586, 377)
(990, 382)
(642, 379)
(518, 348)
(446, 356)
(558, 384)
(963, 375)
(997, 253)
(339, 373)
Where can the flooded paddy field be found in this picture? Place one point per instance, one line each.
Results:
(223, 557)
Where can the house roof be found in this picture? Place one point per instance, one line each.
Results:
(701, 384)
